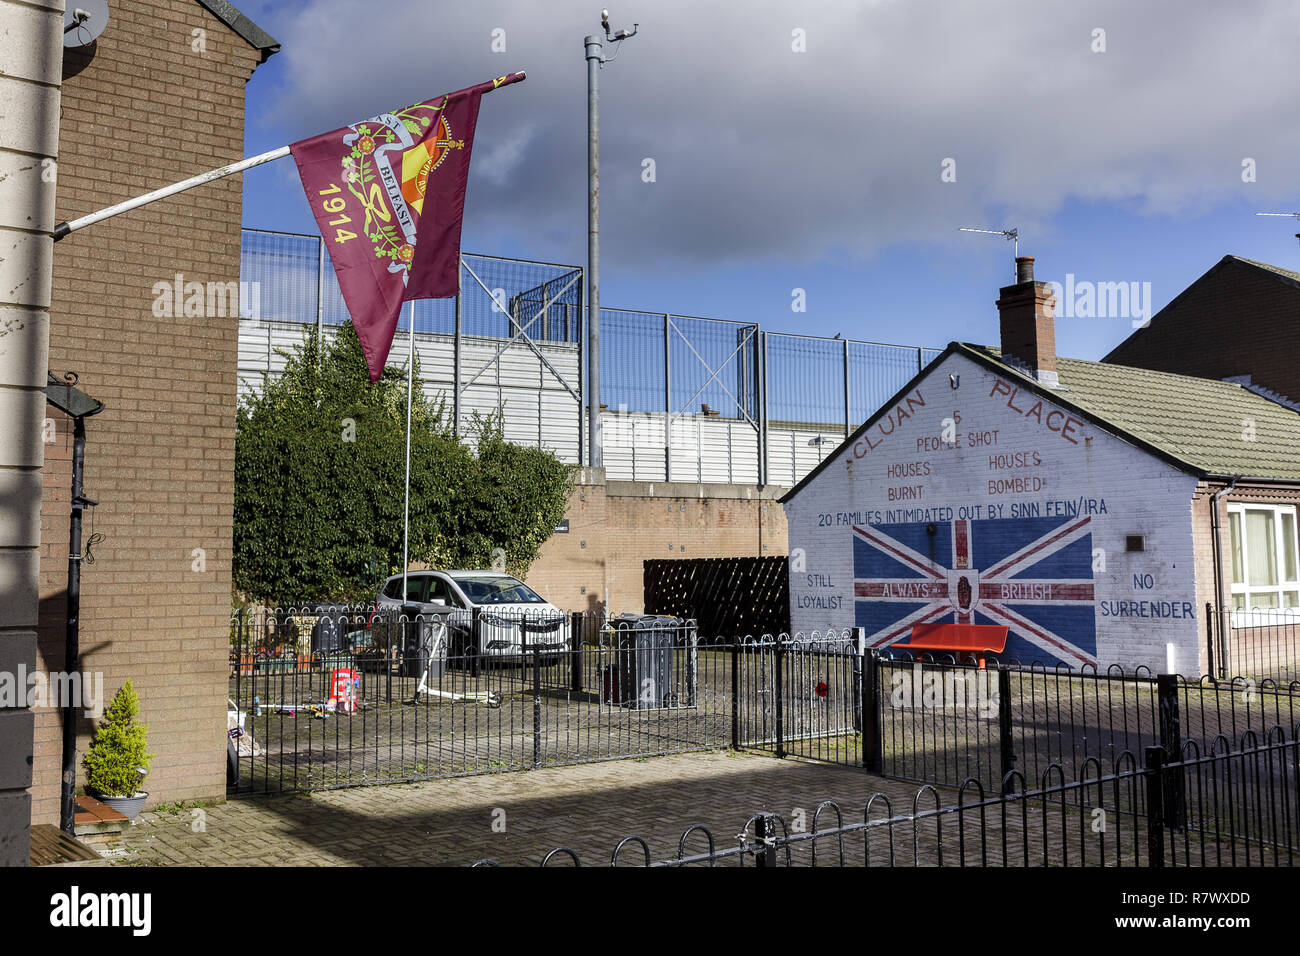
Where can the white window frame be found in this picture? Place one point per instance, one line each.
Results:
(1260, 616)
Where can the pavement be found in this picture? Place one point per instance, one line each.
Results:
(511, 818)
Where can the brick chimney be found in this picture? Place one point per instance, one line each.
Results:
(1028, 332)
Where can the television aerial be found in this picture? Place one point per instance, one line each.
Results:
(1289, 215)
(1012, 235)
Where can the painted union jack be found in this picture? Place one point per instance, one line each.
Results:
(1032, 574)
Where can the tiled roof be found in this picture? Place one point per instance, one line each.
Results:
(1217, 428)
(1275, 270)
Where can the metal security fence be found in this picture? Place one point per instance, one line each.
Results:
(1236, 806)
(294, 281)
(510, 342)
(684, 398)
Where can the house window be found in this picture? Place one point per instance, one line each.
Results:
(1264, 558)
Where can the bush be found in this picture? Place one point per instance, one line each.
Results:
(118, 748)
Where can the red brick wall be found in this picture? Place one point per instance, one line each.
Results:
(1235, 320)
(1203, 542)
(146, 111)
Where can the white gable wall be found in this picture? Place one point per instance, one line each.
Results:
(1027, 502)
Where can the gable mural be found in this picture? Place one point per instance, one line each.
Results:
(1032, 574)
(973, 500)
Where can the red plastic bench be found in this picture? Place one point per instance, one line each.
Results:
(977, 639)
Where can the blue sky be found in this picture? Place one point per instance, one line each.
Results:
(779, 168)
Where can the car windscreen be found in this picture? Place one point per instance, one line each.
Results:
(497, 590)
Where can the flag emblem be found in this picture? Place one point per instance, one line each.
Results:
(1033, 575)
(422, 159)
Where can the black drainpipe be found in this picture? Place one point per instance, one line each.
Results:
(72, 648)
(78, 406)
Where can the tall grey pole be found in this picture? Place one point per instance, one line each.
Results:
(668, 398)
(848, 401)
(455, 362)
(595, 52)
(595, 57)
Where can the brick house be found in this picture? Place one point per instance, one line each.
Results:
(1095, 509)
(149, 105)
(1240, 320)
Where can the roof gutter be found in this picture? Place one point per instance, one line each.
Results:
(1250, 480)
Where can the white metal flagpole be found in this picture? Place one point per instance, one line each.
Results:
(406, 507)
(63, 228)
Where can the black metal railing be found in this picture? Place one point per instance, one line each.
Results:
(342, 696)
(1254, 644)
(944, 722)
(801, 696)
(327, 696)
(1230, 807)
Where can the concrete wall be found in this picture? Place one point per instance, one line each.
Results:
(889, 529)
(614, 526)
(148, 110)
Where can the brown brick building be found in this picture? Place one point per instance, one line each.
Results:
(1242, 318)
(160, 98)
(615, 526)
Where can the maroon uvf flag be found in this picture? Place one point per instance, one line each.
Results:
(388, 195)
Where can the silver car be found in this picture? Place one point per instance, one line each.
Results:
(514, 620)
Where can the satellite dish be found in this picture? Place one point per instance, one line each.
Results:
(83, 22)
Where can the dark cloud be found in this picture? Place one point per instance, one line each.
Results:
(764, 154)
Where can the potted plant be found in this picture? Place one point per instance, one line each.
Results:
(117, 761)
